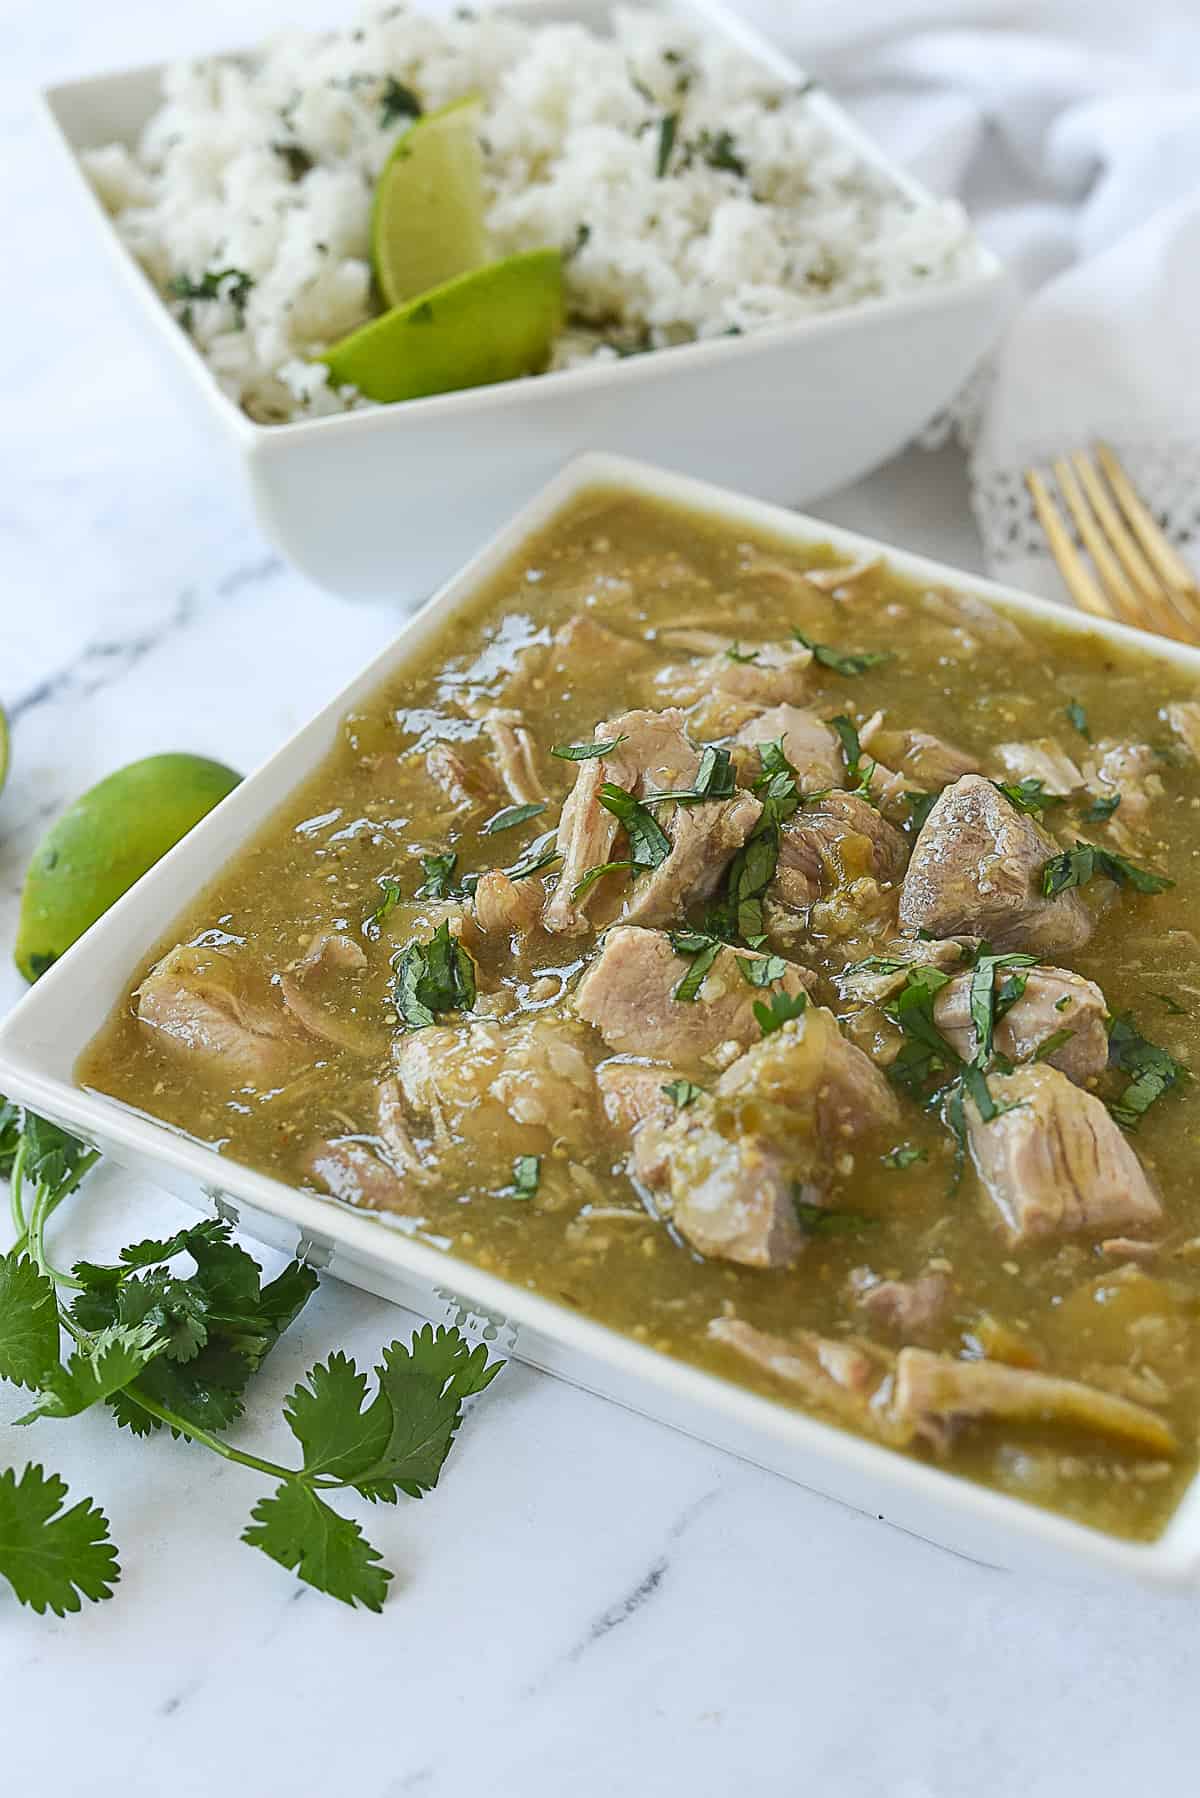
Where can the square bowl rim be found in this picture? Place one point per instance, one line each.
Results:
(130, 929)
(979, 284)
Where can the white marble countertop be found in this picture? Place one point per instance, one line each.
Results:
(590, 1603)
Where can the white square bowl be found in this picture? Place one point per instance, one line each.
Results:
(41, 1040)
(785, 413)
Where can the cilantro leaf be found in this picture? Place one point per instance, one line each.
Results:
(1102, 808)
(591, 875)
(1153, 1070)
(778, 784)
(433, 977)
(668, 125)
(439, 875)
(714, 780)
(397, 102)
(983, 997)
(649, 844)
(1079, 718)
(542, 853)
(374, 921)
(422, 1388)
(29, 1334)
(735, 653)
(682, 1093)
(325, 1413)
(763, 970)
(50, 1557)
(856, 663)
(10, 1136)
(511, 816)
(95, 1371)
(527, 1175)
(903, 1155)
(1075, 867)
(1028, 795)
(702, 951)
(1051, 1044)
(817, 1220)
(919, 807)
(300, 1531)
(781, 1010)
(584, 752)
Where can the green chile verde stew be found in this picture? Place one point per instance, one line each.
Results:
(782, 963)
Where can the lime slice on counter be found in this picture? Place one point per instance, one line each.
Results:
(427, 216)
(493, 324)
(104, 842)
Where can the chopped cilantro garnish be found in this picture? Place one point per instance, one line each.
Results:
(392, 895)
(584, 752)
(649, 844)
(817, 1220)
(782, 1009)
(1051, 1044)
(762, 970)
(1079, 718)
(1153, 1070)
(702, 951)
(904, 1155)
(1075, 867)
(919, 807)
(232, 284)
(668, 125)
(439, 875)
(511, 816)
(397, 102)
(682, 1093)
(588, 880)
(527, 1176)
(433, 977)
(735, 653)
(858, 662)
(1028, 795)
(1102, 808)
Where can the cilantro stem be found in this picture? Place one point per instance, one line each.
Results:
(195, 1433)
(14, 1197)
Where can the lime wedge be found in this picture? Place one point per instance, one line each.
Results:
(493, 324)
(104, 842)
(427, 216)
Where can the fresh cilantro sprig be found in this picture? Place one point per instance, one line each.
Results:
(165, 1347)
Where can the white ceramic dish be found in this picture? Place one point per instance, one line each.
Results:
(786, 413)
(42, 1038)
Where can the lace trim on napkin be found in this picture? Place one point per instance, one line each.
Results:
(1167, 475)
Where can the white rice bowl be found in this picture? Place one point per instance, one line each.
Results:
(257, 172)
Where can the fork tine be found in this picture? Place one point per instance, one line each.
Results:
(1113, 579)
(1169, 563)
(1182, 592)
(1147, 605)
(1082, 587)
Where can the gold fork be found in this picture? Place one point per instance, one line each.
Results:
(1139, 577)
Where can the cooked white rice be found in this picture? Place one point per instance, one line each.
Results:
(257, 172)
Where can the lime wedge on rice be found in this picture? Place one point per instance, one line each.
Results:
(427, 215)
(493, 324)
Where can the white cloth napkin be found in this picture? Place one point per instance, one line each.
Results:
(1071, 131)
